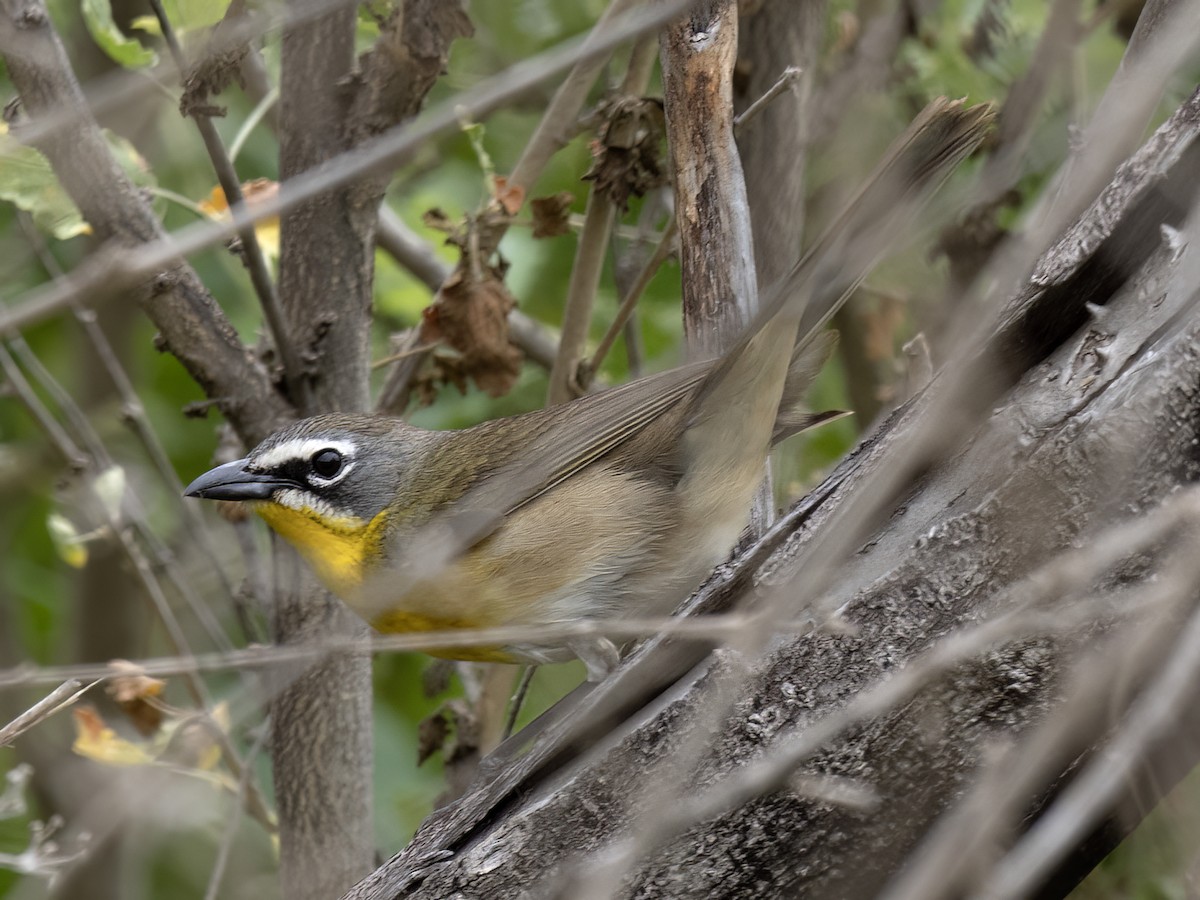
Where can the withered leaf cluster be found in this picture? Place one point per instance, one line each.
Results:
(627, 155)
(470, 313)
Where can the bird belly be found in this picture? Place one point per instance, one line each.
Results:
(572, 554)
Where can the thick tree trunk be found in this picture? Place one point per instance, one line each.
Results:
(713, 777)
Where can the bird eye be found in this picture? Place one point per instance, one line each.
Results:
(327, 463)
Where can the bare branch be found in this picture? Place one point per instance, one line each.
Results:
(252, 254)
(557, 123)
(235, 815)
(706, 630)
(716, 250)
(666, 245)
(577, 310)
(60, 698)
(787, 81)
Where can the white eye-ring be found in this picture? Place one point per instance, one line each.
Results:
(328, 466)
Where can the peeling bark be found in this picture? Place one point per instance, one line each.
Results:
(716, 249)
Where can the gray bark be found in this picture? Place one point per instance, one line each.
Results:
(771, 37)
(1079, 412)
(321, 722)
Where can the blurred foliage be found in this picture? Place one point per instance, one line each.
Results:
(41, 596)
(1159, 861)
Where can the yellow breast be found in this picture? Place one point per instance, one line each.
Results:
(341, 550)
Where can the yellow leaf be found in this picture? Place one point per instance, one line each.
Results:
(96, 741)
(148, 24)
(68, 542)
(254, 192)
(138, 695)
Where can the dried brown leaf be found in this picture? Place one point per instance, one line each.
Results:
(432, 734)
(551, 215)
(627, 156)
(510, 196)
(471, 317)
(136, 693)
(438, 220)
(453, 729)
(436, 677)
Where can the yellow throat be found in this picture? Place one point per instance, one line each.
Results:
(339, 549)
(342, 550)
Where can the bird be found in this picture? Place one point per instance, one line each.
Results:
(615, 504)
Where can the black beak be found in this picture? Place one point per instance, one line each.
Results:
(233, 481)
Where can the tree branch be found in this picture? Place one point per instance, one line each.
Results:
(716, 249)
(256, 262)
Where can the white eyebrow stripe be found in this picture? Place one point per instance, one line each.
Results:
(301, 448)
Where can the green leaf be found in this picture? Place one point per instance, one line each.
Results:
(148, 24)
(97, 15)
(188, 15)
(28, 182)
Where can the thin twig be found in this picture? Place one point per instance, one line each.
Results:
(60, 698)
(1018, 116)
(790, 76)
(133, 412)
(666, 245)
(1094, 790)
(407, 248)
(554, 129)
(518, 700)
(74, 457)
(189, 319)
(191, 677)
(581, 292)
(299, 388)
(419, 350)
(235, 815)
(257, 114)
(158, 600)
(706, 629)
(101, 461)
(599, 217)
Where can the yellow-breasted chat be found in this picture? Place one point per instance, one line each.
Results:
(615, 504)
